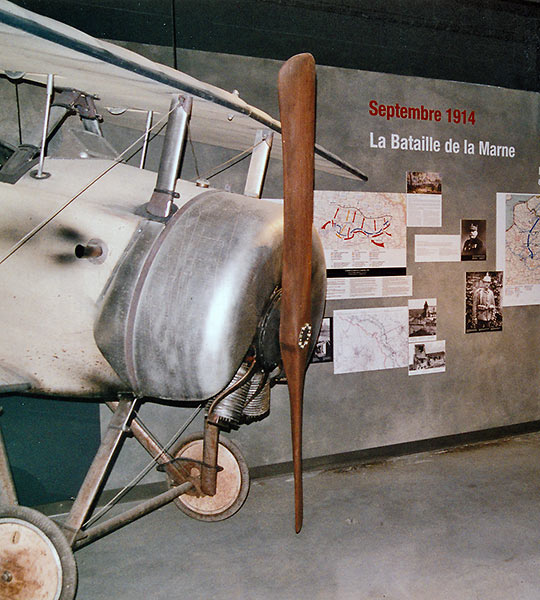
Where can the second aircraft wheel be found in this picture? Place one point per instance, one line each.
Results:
(36, 561)
(232, 482)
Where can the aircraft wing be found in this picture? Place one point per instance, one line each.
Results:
(11, 381)
(37, 45)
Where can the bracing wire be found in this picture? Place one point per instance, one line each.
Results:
(126, 489)
(195, 163)
(215, 171)
(228, 163)
(44, 223)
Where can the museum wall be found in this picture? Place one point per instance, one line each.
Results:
(490, 377)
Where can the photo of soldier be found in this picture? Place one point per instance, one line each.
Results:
(483, 302)
(472, 239)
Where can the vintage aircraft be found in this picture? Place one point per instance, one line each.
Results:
(119, 285)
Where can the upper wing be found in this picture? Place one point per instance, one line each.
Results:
(37, 45)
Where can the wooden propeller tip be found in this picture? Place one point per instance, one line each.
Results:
(295, 64)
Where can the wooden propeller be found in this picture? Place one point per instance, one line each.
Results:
(296, 89)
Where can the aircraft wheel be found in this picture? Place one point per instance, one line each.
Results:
(36, 561)
(232, 482)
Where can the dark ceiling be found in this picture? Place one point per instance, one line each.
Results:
(483, 41)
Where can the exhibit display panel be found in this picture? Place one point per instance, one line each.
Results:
(444, 150)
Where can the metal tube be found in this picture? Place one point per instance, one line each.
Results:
(174, 143)
(127, 517)
(210, 454)
(211, 435)
(258, 163)
(98, 470)
(171, 156)
(152, 446)
(39, 174)
(136, 423)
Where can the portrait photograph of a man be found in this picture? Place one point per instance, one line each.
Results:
(473, 239)
(483, 292)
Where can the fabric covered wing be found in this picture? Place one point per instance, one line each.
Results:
(11, 381)
(37, 45)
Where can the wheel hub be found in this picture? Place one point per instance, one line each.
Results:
(29, 564)
(232, 482)
(228, 482)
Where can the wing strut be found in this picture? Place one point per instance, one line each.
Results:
(162, 199)
(40, 173)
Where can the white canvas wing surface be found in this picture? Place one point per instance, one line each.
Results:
(37, 46)
(12, 381)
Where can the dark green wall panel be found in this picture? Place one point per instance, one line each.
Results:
(50, 444)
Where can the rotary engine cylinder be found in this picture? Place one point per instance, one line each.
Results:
(250, 402)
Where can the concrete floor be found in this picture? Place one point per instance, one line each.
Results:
(455, 525)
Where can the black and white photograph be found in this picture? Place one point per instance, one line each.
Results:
(421, 182)
(422, 319)
(483, 301)
(324, 348)
(473, 239)
(428, 357)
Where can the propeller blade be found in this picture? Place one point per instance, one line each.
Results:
(296, 89)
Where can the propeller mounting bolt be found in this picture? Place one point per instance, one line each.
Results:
(304, 336)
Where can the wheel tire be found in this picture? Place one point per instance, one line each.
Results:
(36, 562)
(232, 482)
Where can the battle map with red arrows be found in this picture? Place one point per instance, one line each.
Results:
(362, 230)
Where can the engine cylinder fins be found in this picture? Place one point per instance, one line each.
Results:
(250, 402)
(258, 400)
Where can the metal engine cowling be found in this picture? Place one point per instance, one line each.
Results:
(182, 308)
